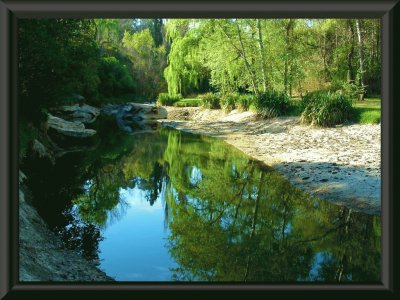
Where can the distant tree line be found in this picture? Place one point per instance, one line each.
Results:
(289, 55)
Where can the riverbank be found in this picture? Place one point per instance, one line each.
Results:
(42, 256)
(340, 164)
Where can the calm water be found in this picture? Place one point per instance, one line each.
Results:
(174, 206)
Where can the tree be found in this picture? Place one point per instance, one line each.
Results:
(49, 75)
(361, 60)
(148, 61)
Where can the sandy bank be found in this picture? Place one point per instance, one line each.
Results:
(340, 164)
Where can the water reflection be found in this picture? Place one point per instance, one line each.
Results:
(176, 206)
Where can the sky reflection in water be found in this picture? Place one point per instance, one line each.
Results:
(176, 206)
(132, 249)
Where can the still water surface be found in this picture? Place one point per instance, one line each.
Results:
(170, 205)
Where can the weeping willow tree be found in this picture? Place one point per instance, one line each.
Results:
(185, 71)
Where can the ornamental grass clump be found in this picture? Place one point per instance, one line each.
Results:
(210, 100)
(166, 99)
(228, 101)
(244, 102)
(271, 104)
(326, 109)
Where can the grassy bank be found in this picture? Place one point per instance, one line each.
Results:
(365, 112)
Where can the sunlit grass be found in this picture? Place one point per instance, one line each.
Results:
(367, 111)
(188, 102)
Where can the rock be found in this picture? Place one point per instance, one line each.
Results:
(67, 128)
(42, 151)
(22, 177)
(82, 113)
(41, 252)
(136, 117)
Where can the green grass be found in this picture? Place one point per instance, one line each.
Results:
(188, 102)
(295, 108)
(367, 111)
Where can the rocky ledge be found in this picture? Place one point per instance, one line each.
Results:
(71, 129)
(135, 117)
(42, 256)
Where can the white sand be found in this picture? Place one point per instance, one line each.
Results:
(340, 164)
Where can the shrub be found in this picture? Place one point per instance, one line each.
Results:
(115, 78)
(228, 101)
(244, 102)
(324, 108)
(271, 104)
(188, 103)
(210, 100)
(167, 99)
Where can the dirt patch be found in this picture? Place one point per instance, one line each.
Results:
(340, 164)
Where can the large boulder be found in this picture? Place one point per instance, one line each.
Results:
(67, 128)
(81, 113)
(136, 117)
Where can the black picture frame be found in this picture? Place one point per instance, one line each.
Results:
(11, 10)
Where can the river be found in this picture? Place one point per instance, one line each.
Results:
(173, 206)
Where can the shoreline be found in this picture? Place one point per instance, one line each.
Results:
(44, 258)
(340, 164)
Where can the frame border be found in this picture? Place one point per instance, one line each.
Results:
(10, 11)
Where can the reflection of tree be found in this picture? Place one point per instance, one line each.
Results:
(82, 236)
(243, 222)
(237, 220)
(231, 218)
(101, 195)
(153, 185)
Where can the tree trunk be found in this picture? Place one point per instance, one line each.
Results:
(285, 78)
(361, 60)
(289, 27)
(243, 52)
(253, 223)
(261, 48)
(351, 77)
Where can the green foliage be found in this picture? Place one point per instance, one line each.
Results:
(188, 103)
(56, 58)
(368, 111)
(115, 79)
(295, 107)
(185, 72)
(326, 108)
(244, 101)
(210, 100)
(271, 104)
(350, 90)
(228, 101)
(148, 61)
(167, 99)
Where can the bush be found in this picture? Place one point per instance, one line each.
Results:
(324, 108)
(115, 79)
(188, 103)
(244, 102)
(228, 101)
(210, 100)
(167, 99)
(271, 104)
